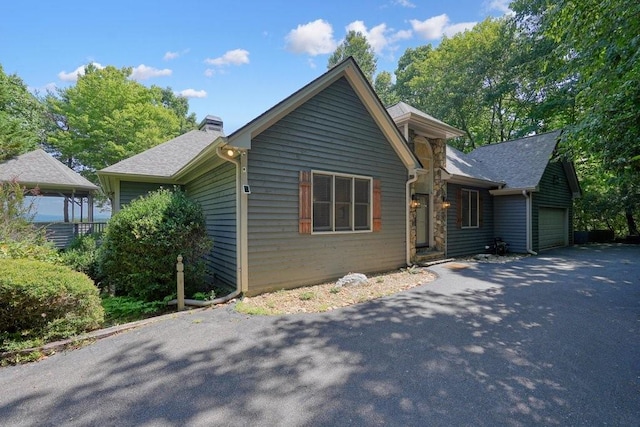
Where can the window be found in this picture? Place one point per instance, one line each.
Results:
(469, 207)
(341, 203)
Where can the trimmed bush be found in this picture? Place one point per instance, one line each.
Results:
(142, 241)
(43, 300)
(81, 255)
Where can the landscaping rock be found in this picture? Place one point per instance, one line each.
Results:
(352, 279)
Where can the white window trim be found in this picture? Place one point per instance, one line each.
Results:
(471, 204)
(333, 201)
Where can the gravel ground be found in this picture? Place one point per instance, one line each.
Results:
(326, 296)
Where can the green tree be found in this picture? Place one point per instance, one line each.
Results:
(180, 106)
(470, 81)
(599, 44)
(356, 45)
(385, 89)
(106, 117)
(22, 118)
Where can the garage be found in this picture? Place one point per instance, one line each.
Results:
(552, 228)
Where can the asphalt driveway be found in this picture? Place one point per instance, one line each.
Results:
(547, 340)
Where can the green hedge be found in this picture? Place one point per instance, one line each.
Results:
(43, 300)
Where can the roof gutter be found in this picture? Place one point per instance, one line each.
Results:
(241, 284)
(512, 191)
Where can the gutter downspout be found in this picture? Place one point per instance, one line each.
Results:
(239, 281)
(410, 181)
(527, 196)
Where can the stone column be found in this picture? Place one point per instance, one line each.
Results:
(439, 194)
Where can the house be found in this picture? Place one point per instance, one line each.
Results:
(326, 182)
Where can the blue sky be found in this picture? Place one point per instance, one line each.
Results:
(231, 59)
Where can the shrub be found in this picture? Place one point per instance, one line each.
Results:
(126, 309)
(81, 255)
(142, 241)
(38, 299)
(19, 238)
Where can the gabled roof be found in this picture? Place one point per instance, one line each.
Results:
(403, 113)
(520, 163)
(166, 159)
(512, 166)
(39, 169)
(242, 138)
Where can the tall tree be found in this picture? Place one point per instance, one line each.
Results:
(385, 88)
(469, 81)
(356, 44)
(599, 42)
(106, 117)
(22, 117)
(180, 106)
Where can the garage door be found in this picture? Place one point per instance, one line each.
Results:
(552, 228)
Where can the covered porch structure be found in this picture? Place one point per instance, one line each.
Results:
(47, 177)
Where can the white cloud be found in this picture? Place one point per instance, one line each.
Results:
(432, 28)
(404, 3)
(142, 72)
(454, 29)
(232, 57)
(168, 56)
(171, 55)
(314, 38)
(379, 37)
(437, 26)
(501, 6)
(192, 93)
(73, 75)
(209, 72)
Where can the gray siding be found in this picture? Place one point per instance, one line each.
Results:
(554, 192)
(215, 190)
(467, 241)
(332, 132)
(510, 219)
(132, 190)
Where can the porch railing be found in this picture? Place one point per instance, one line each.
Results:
(62, 233)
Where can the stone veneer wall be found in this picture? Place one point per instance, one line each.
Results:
(439, 220)
(439, 194)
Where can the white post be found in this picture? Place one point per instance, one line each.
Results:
(180, 280)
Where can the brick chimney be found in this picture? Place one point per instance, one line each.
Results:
(211, 124)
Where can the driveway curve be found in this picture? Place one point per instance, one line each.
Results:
(546, 340)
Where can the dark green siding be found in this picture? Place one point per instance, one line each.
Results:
(510, 219)
(467, 241)
(332, 132)
(215, 190)
(554, 192)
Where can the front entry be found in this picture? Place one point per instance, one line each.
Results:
(422, 221)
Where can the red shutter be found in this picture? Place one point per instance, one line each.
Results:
(459, 209)
(304, 204)
(377, 205)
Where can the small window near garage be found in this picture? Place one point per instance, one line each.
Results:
(469, 207)
(341, 203)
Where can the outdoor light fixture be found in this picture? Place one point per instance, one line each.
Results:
(445, 203)
(415, 203)
(230, 152)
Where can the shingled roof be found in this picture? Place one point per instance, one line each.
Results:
(462, 165)
(515, 164)
(39, 169)
(166, 159)
(519, 163)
